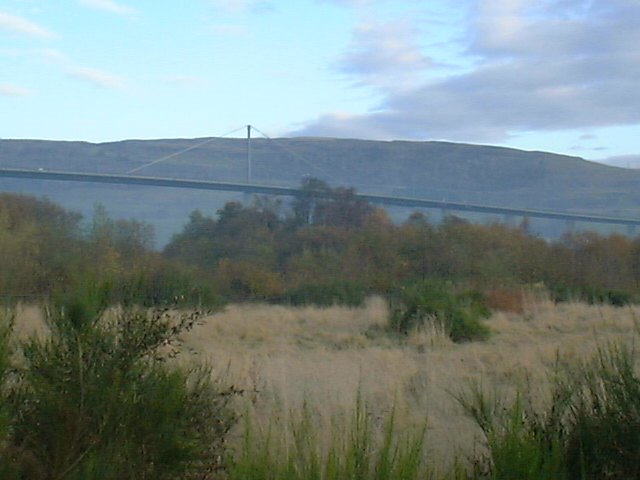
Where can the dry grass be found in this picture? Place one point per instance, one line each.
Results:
(283, 356)
(29, 322)
(325, 356)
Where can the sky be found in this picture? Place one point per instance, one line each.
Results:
(552, 75)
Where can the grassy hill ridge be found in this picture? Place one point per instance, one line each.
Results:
(435, 170)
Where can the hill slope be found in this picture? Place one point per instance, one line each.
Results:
(434, 170)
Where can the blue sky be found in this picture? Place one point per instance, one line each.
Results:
(553, 75)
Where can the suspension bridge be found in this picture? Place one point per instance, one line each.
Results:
(132, 177)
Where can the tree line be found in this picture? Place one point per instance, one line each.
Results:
(327, 246)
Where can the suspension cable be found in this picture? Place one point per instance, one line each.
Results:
(175, 154)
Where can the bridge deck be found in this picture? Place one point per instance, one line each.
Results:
(293, 192)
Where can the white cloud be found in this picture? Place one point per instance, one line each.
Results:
(9, 90)
(108, 6)
(588, 136)
(385, 54)
(624, 161)
(23, 26)
(97, 77)
(536, 66)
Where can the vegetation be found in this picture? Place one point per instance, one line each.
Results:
(47, 251)
(98, 396)
(589, 429)
(435, 170)
(97, 399)
(428, 301)
(330, 247)
(355, 451)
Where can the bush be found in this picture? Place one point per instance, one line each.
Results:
(97, 399)
(520, 444)
(6, 323)
(590, 429)
(338, 292)
(153, 286)
(354, 449)
(592, 295)
(427, 301)
(604, 418)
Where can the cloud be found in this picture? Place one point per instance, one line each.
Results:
(588, 136)
(556, 65)
(384, 55)
(20, 25)
(61, 61)
(9, 90)
(97, 77)
(625, 161)
(108, 6)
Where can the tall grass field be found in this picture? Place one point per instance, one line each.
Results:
(332, 393)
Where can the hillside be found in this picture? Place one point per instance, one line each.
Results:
(434, 170)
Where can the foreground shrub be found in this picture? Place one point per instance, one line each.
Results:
(604, 417)
(590, 428)
(97, 399)
(6, 321)
(431, 301)
(521, 444)
(355, 450)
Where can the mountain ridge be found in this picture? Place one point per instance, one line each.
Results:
(437, 170)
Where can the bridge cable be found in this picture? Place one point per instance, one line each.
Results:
(289, 150)
(175, 154)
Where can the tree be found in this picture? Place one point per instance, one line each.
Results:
(321, 205)
(314, 194)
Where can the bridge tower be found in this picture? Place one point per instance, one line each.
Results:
(248, 154)
(247, 196)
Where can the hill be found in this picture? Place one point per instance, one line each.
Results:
(434, 170)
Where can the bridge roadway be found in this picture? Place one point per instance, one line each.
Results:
(294, 192)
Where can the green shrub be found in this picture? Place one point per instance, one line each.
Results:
(604, 417)
(160, 286)
(520, 444)
(427, 301)
(356, 450)
(166, 285)
(589, 430)
(338, 292)
(97, 399)
(6, 324)
(592, 295)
